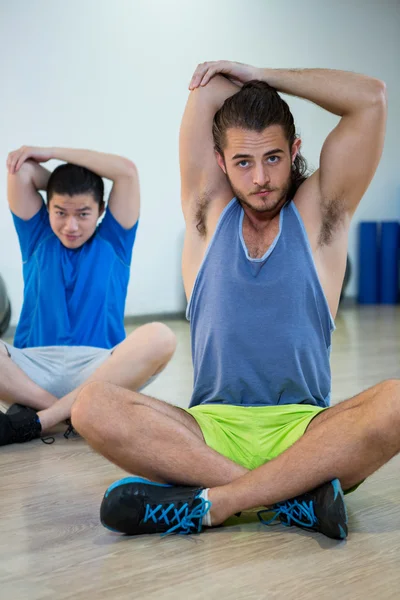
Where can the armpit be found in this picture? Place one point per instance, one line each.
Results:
(333, 215)
(202, 206)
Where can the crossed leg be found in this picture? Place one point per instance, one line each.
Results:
(163, 443)
(144, 353)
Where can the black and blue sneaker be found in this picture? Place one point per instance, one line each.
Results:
(322, 509)
(135, 506)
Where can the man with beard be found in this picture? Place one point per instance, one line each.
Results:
(263, 264)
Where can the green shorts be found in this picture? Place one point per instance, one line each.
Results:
(252, 435)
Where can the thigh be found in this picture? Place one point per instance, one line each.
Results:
(174, 412)
(365, 398)
(44, 366)
(4, 348)
(82, 361)
(114, 398)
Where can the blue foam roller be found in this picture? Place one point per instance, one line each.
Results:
(389, 263)
(368, 261)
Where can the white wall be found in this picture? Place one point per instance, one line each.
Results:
(112, 75)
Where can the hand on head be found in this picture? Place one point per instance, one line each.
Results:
(16, 158)
(238, 73)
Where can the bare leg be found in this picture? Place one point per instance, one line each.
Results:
(149, 437)
(352, 442)
(144, 353)
(15, 386)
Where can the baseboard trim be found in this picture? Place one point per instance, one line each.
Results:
(142, 319)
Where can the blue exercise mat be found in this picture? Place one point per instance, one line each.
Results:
(389, 263)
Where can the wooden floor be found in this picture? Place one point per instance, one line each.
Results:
(53, 546)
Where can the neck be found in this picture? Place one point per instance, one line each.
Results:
(261, 221)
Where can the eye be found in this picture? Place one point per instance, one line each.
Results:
(84, 214)
(243, 164)
(59, 213)
(272, 161)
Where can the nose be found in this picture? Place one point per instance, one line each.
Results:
(71, 225)
(260, 175)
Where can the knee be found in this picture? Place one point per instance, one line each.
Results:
(159, 340)
(164, 340)
(86, 409)
(387, 403)
(389, 390)
(391, 385)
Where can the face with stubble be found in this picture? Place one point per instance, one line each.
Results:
(258, 166)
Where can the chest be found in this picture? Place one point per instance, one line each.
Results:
(259, 241)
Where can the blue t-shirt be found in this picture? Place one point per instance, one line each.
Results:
(73, 297)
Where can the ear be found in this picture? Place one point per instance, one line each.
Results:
(220, 161)
(295, 148)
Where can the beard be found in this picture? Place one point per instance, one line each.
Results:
(269, 205)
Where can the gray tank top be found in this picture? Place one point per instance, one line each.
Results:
(261, 327)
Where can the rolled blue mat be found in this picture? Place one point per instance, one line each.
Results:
(389, 263)
(368, 261)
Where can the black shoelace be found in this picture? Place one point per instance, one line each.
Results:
(70, 430)
(48, 440)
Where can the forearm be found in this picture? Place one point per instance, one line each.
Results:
(39, 175)
(339, 92)
(109, 166)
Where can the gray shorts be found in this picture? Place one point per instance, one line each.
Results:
(59, 369)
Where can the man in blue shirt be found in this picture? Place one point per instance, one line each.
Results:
(76, 274)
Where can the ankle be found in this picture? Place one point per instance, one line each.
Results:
(44, 420)
(220, 509)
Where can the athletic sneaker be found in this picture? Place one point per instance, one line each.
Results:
(16, 408)
(322, 509)
(20, 426)
(134, 506)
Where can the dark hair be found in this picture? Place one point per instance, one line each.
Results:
(256, 106)
(71, 179)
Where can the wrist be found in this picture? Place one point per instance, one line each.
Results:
(52, 152)
(265, 75)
